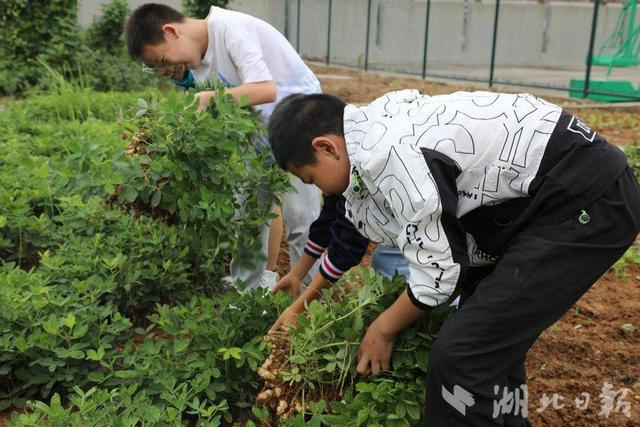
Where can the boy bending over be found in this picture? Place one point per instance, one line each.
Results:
(505, 199)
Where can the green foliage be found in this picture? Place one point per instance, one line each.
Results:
(53, 336)
(31, 36)
(102, 62)
(324, 346)
(113, 72)
(117, 219)
(47, 30)
(126, 251)
(632, 151)
(119, 407)
(631, 258)
(195, 165)
(45, 157)
(106, 31)
(200, 8)
(200, 344)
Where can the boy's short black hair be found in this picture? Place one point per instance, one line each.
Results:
(297, 120)
(144, 26)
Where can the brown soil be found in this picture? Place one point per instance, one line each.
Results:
(619, 125)
(589, 346)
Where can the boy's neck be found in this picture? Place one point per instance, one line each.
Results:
(199, 31)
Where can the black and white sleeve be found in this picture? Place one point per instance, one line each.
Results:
(419, 187)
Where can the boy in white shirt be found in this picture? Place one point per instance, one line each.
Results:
(250, 58)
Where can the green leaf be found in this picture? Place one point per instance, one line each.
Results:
(155, 199)
(126, 374)
(51, 326)
(128, 194)
(180, 345)
(95, 377)
(76, 354)
(413, 411)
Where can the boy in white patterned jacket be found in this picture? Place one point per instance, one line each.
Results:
(506, 200)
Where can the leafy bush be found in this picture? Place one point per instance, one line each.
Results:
(315, 370)
(53, 336)
(194, 167)
(200, 343)
(126, 251)
(632, 151)
(27, 32)
(106, 72)
(106, 31)
(124, 406)
(43, 159)
(200, 8)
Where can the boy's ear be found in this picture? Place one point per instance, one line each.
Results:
(325, 144)
(170, 31)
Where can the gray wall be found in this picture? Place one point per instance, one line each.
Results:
(531, 34)
(89, 8)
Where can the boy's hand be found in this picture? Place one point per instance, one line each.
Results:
(286, 319)
(204, 98)
(375, 350)
(290, 283)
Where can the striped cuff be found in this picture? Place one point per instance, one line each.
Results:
(314, 249)
(328, 270)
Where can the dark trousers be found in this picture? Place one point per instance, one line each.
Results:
(482, 347)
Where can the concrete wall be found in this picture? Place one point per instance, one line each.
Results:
(89, 8)
(530, 34)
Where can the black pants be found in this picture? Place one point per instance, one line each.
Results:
(482, 347)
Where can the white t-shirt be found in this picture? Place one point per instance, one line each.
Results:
(245, 49)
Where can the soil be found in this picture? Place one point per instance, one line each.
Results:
(597, 342)
(619, 125)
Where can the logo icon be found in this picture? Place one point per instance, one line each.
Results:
(459, 399)
(579, 127)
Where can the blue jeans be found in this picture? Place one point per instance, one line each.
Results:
(387, 261)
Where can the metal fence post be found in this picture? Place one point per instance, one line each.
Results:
(329, 33)
(286, 19)
(426, 40)
(298, 28)
(594, 24)
(493, 45)
(366, 50)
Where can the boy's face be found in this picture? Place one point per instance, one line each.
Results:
(330, 172)
(173, 56)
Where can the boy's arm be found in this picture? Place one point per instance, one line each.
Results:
(344, 246)
(257, 93)
(424, 202)
(423, 197)
(245, 51)
(313, 292)
(374, 353)
(318, 240)
(292, 281)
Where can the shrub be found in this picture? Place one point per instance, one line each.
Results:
(27, 32)
(194, 165)
(315, 369)
(53, 337)
(124, 406)
(200, 8)
(106, 31)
